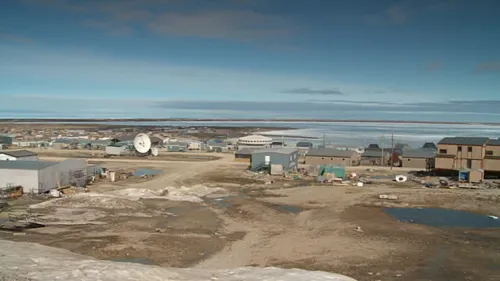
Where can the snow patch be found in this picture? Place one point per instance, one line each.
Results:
(190, 194)
(37, 262)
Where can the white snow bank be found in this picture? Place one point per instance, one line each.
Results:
(37, 262)
(191, 194)
(122, 199)
(183, 193)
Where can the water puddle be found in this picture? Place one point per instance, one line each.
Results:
(145, 261)
(222, 202)
(286, 208)
(445, 218)
(139, 172)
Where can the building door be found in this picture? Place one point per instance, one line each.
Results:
(469, 163)
(267, 159)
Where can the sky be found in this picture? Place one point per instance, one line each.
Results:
(423, 60)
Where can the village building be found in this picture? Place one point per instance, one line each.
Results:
(422, 159)
(456, 153)
(18, 155)
(320, 156)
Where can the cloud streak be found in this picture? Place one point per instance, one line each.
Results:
(237, 23)
(308, 91)
(488, 67)
(15, 38)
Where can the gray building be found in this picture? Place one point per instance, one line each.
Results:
(7, 140)
(39, 177)
(287, 157)
(117, 150)
(376, 157)
(177, 146)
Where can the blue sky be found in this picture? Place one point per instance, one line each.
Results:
(363, 59)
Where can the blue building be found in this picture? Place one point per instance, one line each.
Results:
(5, 140)
(286, 157)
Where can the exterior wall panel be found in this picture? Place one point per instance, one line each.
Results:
(288, 161)
(319, 160)
(417, 163)
(28, 179)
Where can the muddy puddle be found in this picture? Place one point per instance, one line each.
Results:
(145, 261)
(444, 218)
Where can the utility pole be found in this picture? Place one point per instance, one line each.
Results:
(382, 140)
(392, 149)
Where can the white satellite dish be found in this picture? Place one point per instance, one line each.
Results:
(154, 151)
(142, 143)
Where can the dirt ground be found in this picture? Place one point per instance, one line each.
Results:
(240, 221)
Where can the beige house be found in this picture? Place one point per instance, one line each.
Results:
(455, 153)
(492, 156)
(320, 156)
(423, 159)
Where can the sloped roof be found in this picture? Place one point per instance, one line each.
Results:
(280, 150)
(255, 138)
(246, 151)
(494, 142)
(304, 144)
(18, 153)
(429, 145)
(25, 165)
(464, 140)
(374, 153)
(419, 153)
(330, 152)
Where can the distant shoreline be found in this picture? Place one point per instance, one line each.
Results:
(104, 120)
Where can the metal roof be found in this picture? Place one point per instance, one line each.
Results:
(494, 142)
(25, 165)
(280, 150)
(464, 140)
(246, 151)
(419, 153)
(304, 144)
(330, 152)
(18, 153)
(374, 153)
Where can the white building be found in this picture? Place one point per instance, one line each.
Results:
(117, 150)
(16, 155)
(39, 177)
(255, 141)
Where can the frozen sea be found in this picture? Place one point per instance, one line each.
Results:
(348, 133)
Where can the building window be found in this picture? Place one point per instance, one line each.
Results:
(331, 158)
(408, 160)
(489, 152)
(469, 163)
(459, 149)
(469, 149)
(443, 151)
(322, 158)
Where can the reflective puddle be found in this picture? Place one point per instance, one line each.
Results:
(134, 260)
(445, 218)
(139, 172)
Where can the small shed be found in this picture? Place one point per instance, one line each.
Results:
(287, 157)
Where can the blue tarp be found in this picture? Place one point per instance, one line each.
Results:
(338, 170)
